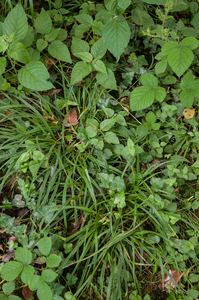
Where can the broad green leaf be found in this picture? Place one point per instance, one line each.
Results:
(141, 98)
(166, 49)
(3, 63)
(35, 282)
(8, 287)
(91, 131)
(187, 98)
(107, 124)
(26, 274)
(99, 66)
(180, 60)
(195, 88)
(59, 51)
(117, 6)
(84, 19)
(79, 45)
(187, 81)
(53, 260)
(34, 76)
(41, 44)
(44, 292)
(190, 42)
(194, 278)
(160, 93)
(80, 29)
(85, 56)
(161, 66)
(111, 138)
(29, 37)
(99, 49)
(34, 167)
(195, 21)
(119, 200)
(157, 2)
(43, 22)
(11, 270)
(179, 5)
(18, 52)
(3, 44)
(44, 245)
(34, 54)
(107, 80)
(52, 35)
(110, 112)
(98, 27)
(16, 21)
(141, 17)
(120, 120)
(62, 35)
(13, 297)
(116, 35)
(149, 80)
(117, 184)
(48, 275)
(80, 70)
(150, 117)
(23, 255)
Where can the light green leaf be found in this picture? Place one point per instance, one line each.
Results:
(13, 297)
(117, 6)
(44, 245)
(107, 80)
(190, 42)
(195, 21)
(34, 76)
(161, 66)
(52, 35)
(23, 255)
(27, 273)
(120, 120)
(187, 98)
(116, 35)
(110, 112)
(187, 81)
(35, 282)
(157, 2)
(99, 49)
(59, 51)
(91, 131)
(41, 44)
(3, 44)
(150, 117)
(141, 98)
(107, 124)
(8, 287)
(98, 27)
(84, 19)
(18, 52)
(120, 200)
(166, 49)
(149, 80)
(85, 56)
(80, 29)
(53, 260)
(79, 45)
(11, 270)
(180, 59)
(80, 70)
(16, 21)
(160, 93)
(111, 138)
(43, 22)
(44, 292)
(48, 275)
(34, 168)
(99, 66)
(141, 17)
(131, 147)
(3, 63)
(194, 278)
(62, 35)
(34, 54)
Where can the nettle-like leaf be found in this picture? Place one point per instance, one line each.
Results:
(34, 76)
(43, 22)
(116, 35)
(190, 88)
(16, 22)
(117, 6)
(59, 51)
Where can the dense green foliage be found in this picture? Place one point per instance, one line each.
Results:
(99, 149)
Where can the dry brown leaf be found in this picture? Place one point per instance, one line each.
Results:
(125, 101)
(1, 247)
(76, 226)
(26, 292)
(189, 113)
(50, 62)
(72, 117)
(6, 257)
(167, 280)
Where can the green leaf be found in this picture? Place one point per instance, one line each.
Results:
(29, 37)
(35, 282)
(3, 44)
(107, 124)
(99, 66)
(26, 274)
(166, 49)
(190, 42)
(43, 22)
(34, 168)
(34, 76)
(11, 270)
(53, 260)
(160, 93)
(16, 21)
(48, 275)
(116, 35)
(34, 54)
(8, 287)
(85, 56)
(84, 19)
(91, 131)
(120, 200)
(195, 21)
(18, 52)
(187, 82)
(79, 46)
(131, 147)
(180, 59)
(150, 117)
(149, 80)
(117, 6)
(107, 80)
(44, 292)
(62, 35)
(187, 98)
(141, 98)
(13, 297)
(194, 278)
(41, 44)
(98, 27)
(44, 245)
(52, 35)
(141, 17)
(161, 66)
(59, 51)
(157, 2)
(193, 293)
(80, 70)
(120, 120)
(23, 255)
(111, 138)
(3, 64)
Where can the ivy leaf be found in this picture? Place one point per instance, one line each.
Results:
(116, 35)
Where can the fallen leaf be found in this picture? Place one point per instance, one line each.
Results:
(6, 257)
(26, 292)
(39, 260)
(72, 117)
(125, 101)
(77, 225)
(50, 62)
(167, 280)
(189, 113)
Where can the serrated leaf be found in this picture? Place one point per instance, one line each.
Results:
(187, 98)
(59, 51)
(80, 70)
(180, 59)
(8, 287)
(85, 56)
(48, 275)
(107, 80)
(23, 255)
(161, 66)
(35, 282)
(43, 22)
(84, 19)
(141, 17)
(166, 49)
(107, 124)
(53, 260)
(149, 80)
(116, 35)
(111, 138)
(16, 21)
(44, 245)
(44, 292)
(141, 98)
(52, 35)
(190, 42)
(117, 6)
(41, 44)
(34, 76)
(160, 93)
(18, 52)
(99, 66)
(79, 45)
(99, 49)
(27, 273)
(3, 63)
(187, 81)
(11, 270)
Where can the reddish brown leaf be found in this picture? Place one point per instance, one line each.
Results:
(26, 292)
(72, 117)
(167, 280)
(6, 257)
(13, 238)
